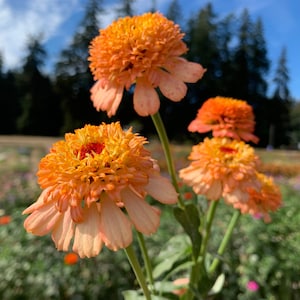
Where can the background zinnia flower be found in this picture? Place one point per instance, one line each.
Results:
(252, 286)
(143, 50)
(94, 186)
(71, 258)
(261, 201)
(221, 166)
(226, 117)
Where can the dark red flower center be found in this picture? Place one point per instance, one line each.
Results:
(228, 150)
(91, 149)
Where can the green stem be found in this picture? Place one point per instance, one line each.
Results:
(209, 220)
(137, 271)
(145, 258)
(161, 131)
(225, 240)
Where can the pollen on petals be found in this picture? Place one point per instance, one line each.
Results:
(144, 50)
(94, 186)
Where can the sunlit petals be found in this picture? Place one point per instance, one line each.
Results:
(42, 221)
(106, 96)
(225, 117)
(87, 238)
(161, 189)
(145, 99)
(63, 232)
(116, 229)
(133, 49)
(145, 218)
(171, 87)
(186, 71)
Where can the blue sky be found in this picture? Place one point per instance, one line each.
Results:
(57, 20)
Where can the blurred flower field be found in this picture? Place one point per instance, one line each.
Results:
(262, 262)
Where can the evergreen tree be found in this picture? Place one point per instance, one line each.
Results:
(73, 77)
(125, 9)
(174, 12)
(8, 101)
(280, 105)
(40, 111)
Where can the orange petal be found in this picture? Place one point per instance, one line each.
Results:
(63, 232)
(185, 70)
(41, 221)
(106, 96)
(116, 230)
(145, 218)
(145, 99)
(161, 189)
(171, 87)
(87, 239)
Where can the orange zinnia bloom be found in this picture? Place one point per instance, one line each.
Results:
(261, 201)
(226, 117)
(143, 50)
(94, 186)
(4, 220)
(220, 166)
(71, 258)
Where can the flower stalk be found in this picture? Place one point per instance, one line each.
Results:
(224, 243)
(137, 271)
(162, 134)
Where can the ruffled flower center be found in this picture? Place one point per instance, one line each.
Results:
(89, 149)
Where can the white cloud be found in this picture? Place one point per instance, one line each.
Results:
(35, 17)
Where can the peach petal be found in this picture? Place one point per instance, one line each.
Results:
(41, 221)
(161, 189)
(145, 99)
(63, 231)
(38, 203)
(87, 239)
(106, 97)
(185, 70)
(145, 218)
(172, 87)
(197, 126)
(116, 231)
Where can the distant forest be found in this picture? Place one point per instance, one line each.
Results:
(233, 49)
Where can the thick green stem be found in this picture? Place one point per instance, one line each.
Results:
(161, 131)
(146, 258)
(225, 240)
(137, 271)
(209, 220)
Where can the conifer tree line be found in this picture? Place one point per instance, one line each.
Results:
(232, 48)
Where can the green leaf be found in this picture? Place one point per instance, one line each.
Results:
(190, 221)
(217, 287)
(175, 250)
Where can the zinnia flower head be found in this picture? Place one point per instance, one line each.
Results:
(143, 50)
(71, 258)
(226, 117)
(261, 201)
(221, 166)
(94, 186)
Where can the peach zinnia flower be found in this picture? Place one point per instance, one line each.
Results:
(221, 166)
(94, 186)
(261, 201)
(143, 50)
(226, 117)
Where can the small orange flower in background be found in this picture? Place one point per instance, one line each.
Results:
(261, 202)
(221, 166)
(143, 50)
(71, 258)
(4, 220)
(94, 186)
(225, 117)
